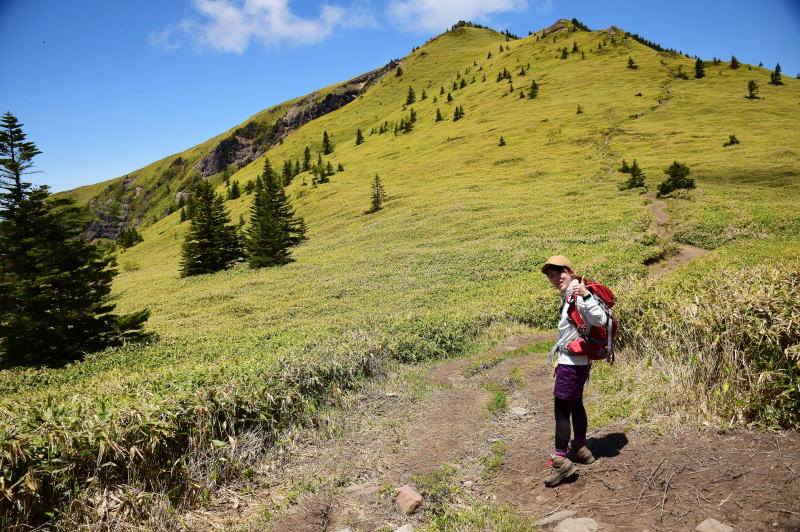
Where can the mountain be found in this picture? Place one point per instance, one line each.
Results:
(450, 264)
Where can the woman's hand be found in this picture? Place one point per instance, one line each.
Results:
(580, 288)
(555, 367)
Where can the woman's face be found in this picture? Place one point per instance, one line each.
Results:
(560, 278)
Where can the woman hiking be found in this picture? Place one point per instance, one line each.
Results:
(571, 370)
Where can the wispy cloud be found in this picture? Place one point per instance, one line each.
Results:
(438, 15)
(231, 25)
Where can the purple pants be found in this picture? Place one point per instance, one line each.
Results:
(570, 381)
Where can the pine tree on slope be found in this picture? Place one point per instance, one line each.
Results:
(54, 286)
(274, 228)
(211, 243)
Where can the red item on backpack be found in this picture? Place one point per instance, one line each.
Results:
(595, 342)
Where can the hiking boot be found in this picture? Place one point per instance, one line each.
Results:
(562, 468)
(581, 455)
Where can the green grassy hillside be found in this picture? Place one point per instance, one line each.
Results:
(456, 249)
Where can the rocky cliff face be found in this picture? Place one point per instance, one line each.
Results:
(250, 141)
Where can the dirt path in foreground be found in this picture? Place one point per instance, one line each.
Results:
(641, 481)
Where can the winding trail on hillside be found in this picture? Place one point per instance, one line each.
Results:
(684, 252)
(640, 481)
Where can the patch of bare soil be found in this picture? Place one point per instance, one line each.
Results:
(640, 481)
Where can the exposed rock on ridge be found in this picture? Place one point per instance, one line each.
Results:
(250, 141)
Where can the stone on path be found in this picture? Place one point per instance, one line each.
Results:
(580, 524)
(555, 518)
(518, 411)
(408, 499)
(405, 528)
(712, 525)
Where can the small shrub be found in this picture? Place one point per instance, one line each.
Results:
(752, 90)
(677, 178)
(731, 141)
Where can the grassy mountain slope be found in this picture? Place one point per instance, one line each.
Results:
(456, 248)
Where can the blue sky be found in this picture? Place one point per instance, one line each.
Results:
(105, 88)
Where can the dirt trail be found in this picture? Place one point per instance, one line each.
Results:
(685, 253)
(640, 481)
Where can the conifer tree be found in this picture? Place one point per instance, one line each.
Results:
(632, 64)
(502, 142)
(699, 69)
(328, 170)
(340, 167)
(359, 137)
(454, 87)
(574, 47)
(274, 228)
(439, 117)
(297, 167)
(489, 55)
(625, 169)
(327, 147)
(378, 195)
(533, 92)
(752, 90)
(183, 215)
(441, 90)
(564, 53)
(211, 243)
(775, 77)
(463, 83)
(249, 186)
(234, 191)
(399, 72)
(734, 62)
(636, 179)
(54, 286)
(449, 98)
(424, 95)
(677, 178)
(128, 237)
(411, 97)
(286, 173)
(307, 159)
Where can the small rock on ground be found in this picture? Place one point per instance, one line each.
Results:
(518, 411)
(408, 499)
(580, 524)
(555, 518)
(405, 528)
(712, 525)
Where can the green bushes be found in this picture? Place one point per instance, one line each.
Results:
(728, 344)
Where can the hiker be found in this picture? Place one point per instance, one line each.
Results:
(570, 370)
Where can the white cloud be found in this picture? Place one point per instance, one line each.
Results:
(438, 15)
(231, 25)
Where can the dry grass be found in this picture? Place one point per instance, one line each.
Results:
(729, 346)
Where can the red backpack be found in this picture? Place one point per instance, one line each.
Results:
(596, 342)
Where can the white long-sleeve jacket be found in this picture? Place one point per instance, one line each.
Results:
(592, 313)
